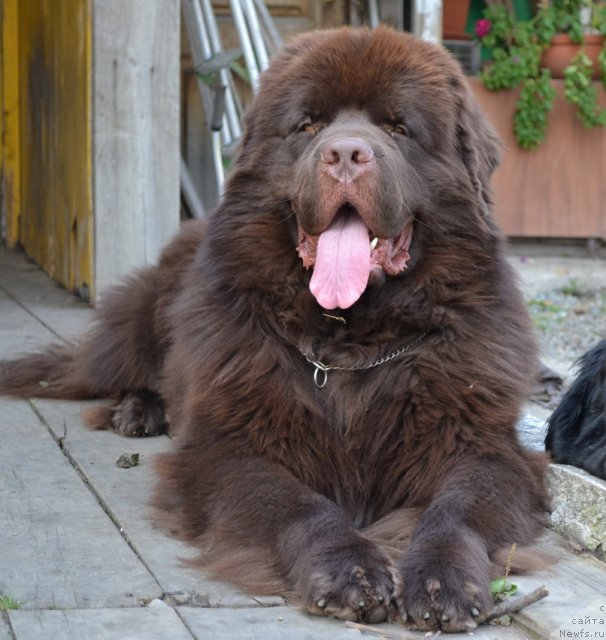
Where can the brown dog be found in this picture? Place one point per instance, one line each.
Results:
(341, 346)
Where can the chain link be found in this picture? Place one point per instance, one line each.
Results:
(321, 370)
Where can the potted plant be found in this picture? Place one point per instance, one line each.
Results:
(518, 51)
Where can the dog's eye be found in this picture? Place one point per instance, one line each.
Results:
(400, 130)
(307, 126)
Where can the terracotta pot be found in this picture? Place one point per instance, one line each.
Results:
(563, 50)
(454, 19)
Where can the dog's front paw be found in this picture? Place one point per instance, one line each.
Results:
(444, 587)
(350, 582)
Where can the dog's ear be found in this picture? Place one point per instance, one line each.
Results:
(477, 142)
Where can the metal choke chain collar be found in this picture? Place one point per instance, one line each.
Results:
(321, 369)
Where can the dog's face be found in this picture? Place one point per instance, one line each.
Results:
(364, 134)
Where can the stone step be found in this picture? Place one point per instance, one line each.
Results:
(578, 499)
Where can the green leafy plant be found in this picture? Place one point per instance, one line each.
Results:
(500, 588)
(573, 287)
(8, 603)
(516, 49)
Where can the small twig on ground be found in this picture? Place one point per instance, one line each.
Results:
(390, 634)
(513, 605)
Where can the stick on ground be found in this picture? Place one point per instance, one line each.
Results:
(513, 605)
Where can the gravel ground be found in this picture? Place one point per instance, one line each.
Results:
(566, 298)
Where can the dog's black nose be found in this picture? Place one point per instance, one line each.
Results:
(347, 158)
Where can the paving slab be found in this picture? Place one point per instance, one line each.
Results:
(44, 300)
(280, 623)
(576, 582)
(125, 494)
(100, 624)
(20, 332)
(5, 633)
(59, 549)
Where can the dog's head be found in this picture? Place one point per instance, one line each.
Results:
(365, 135)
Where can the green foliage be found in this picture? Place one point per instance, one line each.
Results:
(580, 91)
(500, 586)
(516, 49)
(7, 603)
(572, 288)
(532, 108)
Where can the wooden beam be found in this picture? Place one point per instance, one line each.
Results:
(136, 133)
(55, 139)
(10, 162)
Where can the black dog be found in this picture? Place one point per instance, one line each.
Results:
(577, 428)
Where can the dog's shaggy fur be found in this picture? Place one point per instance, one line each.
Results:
(577, 428)
(371, 139)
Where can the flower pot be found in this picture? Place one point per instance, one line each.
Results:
(454, 19)
(562, 50)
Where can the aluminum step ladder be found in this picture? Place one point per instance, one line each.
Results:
(214, 68)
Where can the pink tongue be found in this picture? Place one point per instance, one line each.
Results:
(342, 264)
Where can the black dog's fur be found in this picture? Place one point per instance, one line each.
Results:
(577, 428)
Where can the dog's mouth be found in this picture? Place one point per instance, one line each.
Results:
(347, 255)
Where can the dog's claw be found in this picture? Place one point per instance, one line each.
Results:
(475, 612)
(321, 604)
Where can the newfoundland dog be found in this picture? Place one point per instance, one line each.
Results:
(577, 428)
(340, 351)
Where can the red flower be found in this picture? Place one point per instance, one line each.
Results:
(483, 27)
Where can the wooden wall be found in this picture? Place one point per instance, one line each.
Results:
(559, 190)
(90, 144)
(55, 208)
(10, 146)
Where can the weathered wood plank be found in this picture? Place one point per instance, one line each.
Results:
(10, 151)
(19, 331)
(126, 493)
(5, 633)
(136, 133)
(59, 549)
(279, 623)
(576, 584)
(52, 307)
(99, 624)
(55, 139)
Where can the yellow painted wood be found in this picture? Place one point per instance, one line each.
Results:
(56, 223)
(9, 104)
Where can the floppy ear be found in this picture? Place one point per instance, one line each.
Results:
(478, 144)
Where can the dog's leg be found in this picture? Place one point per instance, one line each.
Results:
(125, 349)
(484, 505)
(137, 414)
(250, 502)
